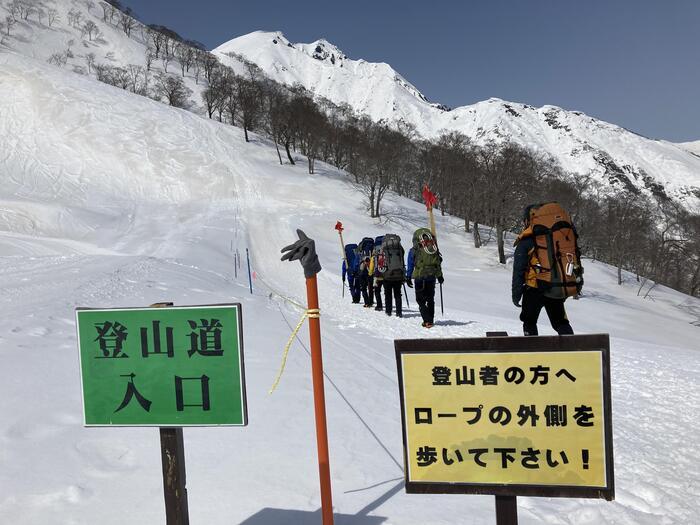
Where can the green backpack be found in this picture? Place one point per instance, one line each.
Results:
(426, 255)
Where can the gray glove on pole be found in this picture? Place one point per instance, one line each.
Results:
(304, 251)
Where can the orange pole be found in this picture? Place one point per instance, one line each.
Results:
(324, 468)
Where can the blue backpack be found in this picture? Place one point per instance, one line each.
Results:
(352, 259)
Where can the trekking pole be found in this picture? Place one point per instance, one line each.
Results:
(405, 292)
(442, 307)
(304, 250)
(250, 278)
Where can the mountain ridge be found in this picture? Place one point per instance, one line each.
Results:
(614, 156)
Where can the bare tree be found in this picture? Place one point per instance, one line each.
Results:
(20, 9)
(212, 99)
(113, 12)
(185, 55)
(53, 17)
(172, 90)
(310, 128)
(197, 65)
(90, 5)
(58, 59)
(279, 120)
(127, 22)
(90, 28)
(249, 95)
(149, 59)
(15, 9)
(90, 61)
(106, 11)
(165, 58)
(137, 79)
(9, 24)
(209, 64)
(156, 40)
(29, 10)
(74, 18)
(114, 76)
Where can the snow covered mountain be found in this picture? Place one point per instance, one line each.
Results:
(614, 156)
(111, 199)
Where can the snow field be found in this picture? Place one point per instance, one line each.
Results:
(126, 202)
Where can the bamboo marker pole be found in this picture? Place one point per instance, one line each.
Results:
(339, 228)
(431, 221)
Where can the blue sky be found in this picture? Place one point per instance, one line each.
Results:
(635, 63)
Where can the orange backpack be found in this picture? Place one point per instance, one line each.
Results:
(556, 259)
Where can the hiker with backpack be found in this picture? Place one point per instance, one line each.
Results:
(376, 273)
(364, 250)
(424, 268)
(546, 267)
(365, 282)
(351, 266)
(393, 270)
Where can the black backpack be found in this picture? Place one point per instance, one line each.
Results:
(365, 247)
(392, 254)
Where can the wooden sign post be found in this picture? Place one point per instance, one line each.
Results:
(166, 367)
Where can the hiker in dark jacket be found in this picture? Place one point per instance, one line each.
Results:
(524, 286)
(393, 288)
(365, 281)
(394, 275)
(424, 278)
(374, 271)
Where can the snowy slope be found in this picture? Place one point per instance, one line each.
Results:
(693, 147)
(615, 156)
(115, 200)
(110, 45)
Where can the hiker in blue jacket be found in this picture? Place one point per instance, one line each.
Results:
(352, 261)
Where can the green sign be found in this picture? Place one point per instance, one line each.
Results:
(166, 367)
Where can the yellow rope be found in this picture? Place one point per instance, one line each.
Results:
(280, 295)
(311, 313)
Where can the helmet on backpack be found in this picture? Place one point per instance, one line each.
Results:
(423, 240)
(427, 258)
(379, 266)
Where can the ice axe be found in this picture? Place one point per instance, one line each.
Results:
(405, 292)
(430, 201)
